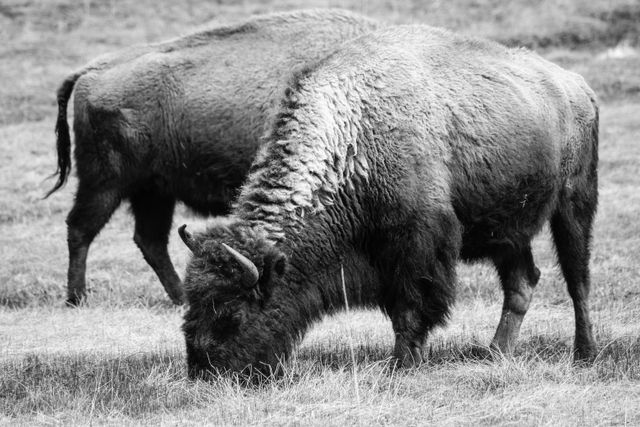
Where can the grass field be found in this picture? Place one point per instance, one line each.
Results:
(120, 358)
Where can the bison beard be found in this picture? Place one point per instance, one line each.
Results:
(403, 152)
(179, 120)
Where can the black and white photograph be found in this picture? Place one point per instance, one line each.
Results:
(324, 213)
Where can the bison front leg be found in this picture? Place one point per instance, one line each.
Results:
(424, 283)
(423, 301)
(421, 307)
(411, 334)
(518, 276)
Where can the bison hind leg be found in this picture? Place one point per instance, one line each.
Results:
(153, 216)
(571, 226)
(518, 277)
(91, 210)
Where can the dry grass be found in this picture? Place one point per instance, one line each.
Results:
(139, 378)
(119, 358)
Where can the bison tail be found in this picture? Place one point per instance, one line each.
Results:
(63, 143)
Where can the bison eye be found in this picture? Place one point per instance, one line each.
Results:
(214, 265)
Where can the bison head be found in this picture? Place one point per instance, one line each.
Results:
(238, 313)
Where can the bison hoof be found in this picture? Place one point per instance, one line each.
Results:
(585, 355)
(74, 299)
(497, 352)
(73, 302)
(408, 357)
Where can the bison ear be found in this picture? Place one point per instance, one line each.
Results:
(188, 240)
(275, 265)
(280, 263)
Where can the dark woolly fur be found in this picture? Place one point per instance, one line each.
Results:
(150, 129)
(401, 153)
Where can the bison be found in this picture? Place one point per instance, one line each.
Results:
(406, 150)
(179, 120)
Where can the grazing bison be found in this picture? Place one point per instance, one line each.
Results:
(179, 120)
(404, 151)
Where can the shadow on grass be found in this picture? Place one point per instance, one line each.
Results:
(338, 356)
(617, 359)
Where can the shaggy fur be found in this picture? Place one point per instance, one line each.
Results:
(403, 152)
(179, 120)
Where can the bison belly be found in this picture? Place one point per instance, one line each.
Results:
(503, 207)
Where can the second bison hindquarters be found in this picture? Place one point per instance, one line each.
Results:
(179, 120)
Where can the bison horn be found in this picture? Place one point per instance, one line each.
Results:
(188, 239)
(250, 269)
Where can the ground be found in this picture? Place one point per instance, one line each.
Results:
(120, 357)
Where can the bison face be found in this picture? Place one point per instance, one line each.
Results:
(233, 321)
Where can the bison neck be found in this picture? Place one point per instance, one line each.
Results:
(328, 252)
(326, 272)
